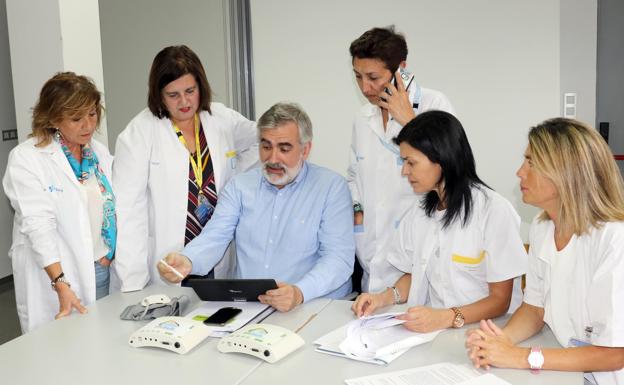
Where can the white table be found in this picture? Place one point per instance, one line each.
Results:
(93, 349)
(306, 366)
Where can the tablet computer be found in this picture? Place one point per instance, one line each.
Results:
(244, 290)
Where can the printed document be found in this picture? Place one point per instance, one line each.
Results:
(377, 339)
(438, 374)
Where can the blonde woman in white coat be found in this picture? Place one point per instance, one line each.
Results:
(58, 182)
(574, 282)
(160, 207)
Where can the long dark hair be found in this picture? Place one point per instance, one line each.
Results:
(441, 137)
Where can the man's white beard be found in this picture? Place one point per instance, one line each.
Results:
(288, 176)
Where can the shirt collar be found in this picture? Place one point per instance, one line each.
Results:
(49, 148)
(370, 109)
(297, 181)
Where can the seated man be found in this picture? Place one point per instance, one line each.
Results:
(291, 220)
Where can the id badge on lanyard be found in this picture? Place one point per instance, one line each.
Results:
(204, 209)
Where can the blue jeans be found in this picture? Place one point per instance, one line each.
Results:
(102, 280)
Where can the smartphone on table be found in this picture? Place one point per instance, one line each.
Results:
(222, 316)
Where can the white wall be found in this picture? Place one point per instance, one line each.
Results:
(46, 37)
(579, 23)
(82, 48)
(133, 32)
(36, 53)
(497, 61)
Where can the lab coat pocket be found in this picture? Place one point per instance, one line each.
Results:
(232, 159)
(469, 262)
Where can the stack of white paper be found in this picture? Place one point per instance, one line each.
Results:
(255, 311)
(438, 374)
(377, 339)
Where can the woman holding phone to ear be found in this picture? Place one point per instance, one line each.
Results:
(380, 195)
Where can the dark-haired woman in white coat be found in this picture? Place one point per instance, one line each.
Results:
(181, 141)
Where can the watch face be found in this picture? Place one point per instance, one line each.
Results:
(536, 359)
(459, 318)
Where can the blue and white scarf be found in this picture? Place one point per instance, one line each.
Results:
(83, 171)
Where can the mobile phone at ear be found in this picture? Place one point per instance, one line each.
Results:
(222, 316)
(406, 78)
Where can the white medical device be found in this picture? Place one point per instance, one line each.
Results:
(269, 342)
(155, 299)
(178, 334)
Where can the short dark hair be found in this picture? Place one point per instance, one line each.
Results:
(170, 64)
(383, 44)
(441, 137)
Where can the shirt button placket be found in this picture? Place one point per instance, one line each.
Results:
(273, 229)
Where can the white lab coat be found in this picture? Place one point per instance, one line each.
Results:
(51, 224)
(375, 181)
(580, 286)
(150, 173)
(452, 266)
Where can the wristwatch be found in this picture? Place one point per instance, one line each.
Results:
(536, 359)
(357, 208)
(459, 320)
(395, 294)
(61, 278)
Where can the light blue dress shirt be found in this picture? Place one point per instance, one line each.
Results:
(301, 234)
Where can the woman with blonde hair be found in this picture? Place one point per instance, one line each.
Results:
(576, 261)
(59, 183)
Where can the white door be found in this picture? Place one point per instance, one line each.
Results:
(610, 75)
